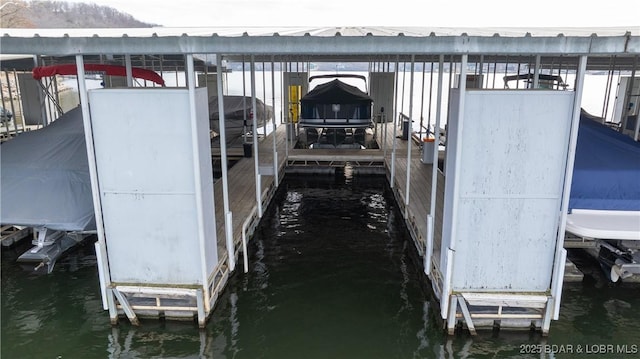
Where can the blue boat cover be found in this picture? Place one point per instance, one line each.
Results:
(606, 173)
(45, 178)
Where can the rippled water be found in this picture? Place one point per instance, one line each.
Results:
(332, 275)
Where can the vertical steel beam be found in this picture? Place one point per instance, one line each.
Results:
(384, 127)
(446, 284)
(200, 302)
(451, 318)
(548, 313)
(536, 73)
(255, 138)
(129, 70)
(428, 250)
(559, 263)
(462, 86)
(95, 184)
(284, 103)
(273, 120)
(101, 276)
(395, 118)
(228, 215)
(636, 131)
(481, 70)
(409, 141)
(264, 98)
(434, 168)
(424, 65)
(191, 86)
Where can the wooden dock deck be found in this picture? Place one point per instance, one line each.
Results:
(242, 200)
(415, 213)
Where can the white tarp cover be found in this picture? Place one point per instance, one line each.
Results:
(44, 177)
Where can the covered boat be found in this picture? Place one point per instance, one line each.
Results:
(237, 115)
(45, 177)
(606, 173)
(604, 204)
(336, 105)
(45, 184)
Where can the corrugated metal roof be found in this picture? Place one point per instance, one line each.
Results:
(355, 43)
(327, 31)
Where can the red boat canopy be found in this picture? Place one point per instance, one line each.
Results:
(114, 70)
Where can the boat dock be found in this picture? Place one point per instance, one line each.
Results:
(490, 230)
(414, 210)
(12, 234)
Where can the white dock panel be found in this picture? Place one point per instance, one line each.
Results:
(502, 207)
(145, 163)
(381, 89)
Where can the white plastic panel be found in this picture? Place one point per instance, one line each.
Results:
(206, 177)
(381, 88)
(502, 205)
(144, 156)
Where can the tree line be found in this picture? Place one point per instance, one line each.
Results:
(62, 14)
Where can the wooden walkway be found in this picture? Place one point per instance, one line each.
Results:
(242, 200)
(415, 213)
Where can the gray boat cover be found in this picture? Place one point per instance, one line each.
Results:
(235, 108)
(44, 177)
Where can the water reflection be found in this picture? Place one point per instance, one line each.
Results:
(170, 341)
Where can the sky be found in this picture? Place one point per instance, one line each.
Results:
(443, 13)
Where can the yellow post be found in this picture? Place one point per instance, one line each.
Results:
(294, 102)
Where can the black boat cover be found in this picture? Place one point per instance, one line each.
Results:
(335, 91)
(318, 104)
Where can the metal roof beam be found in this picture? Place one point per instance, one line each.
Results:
(367, 46)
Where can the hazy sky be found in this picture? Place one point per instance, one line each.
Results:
(443, 13)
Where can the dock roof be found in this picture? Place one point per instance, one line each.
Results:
(348, 43)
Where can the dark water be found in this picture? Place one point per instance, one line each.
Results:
(332, 275)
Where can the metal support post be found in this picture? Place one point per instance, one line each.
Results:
(128, 69)
(228, 224)
(273, 105)
(558, 267)
(451, 318)
(191, 85)
(395, 118)
(536, 73)
(434, 170)
(95, 186)
(409, 141)
(255, 137)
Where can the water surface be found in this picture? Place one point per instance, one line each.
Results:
(333, 274)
